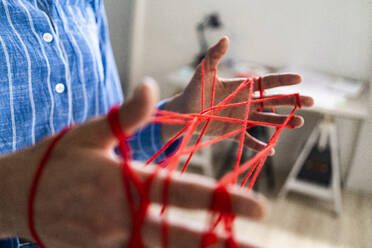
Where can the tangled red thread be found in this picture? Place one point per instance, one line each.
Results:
(221, 212)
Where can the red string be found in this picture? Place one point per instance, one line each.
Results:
(226, 119)
(261, 93)
(166, 146)
(243, 133)
(203, 84)
(130, 178)
(208, 121)
(221, 211)
(220, 208)
(35, 185)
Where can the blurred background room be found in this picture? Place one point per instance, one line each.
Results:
(319, 183)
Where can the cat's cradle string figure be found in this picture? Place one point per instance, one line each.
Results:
(221, 211)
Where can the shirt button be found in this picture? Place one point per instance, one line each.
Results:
(47, 37)
(60, 88)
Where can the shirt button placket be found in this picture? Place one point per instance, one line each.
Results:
(60, 87)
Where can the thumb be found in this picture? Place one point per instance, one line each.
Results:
(133, 115)
(216, 52)
(136, 112)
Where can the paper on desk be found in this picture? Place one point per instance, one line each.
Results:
(328, 91)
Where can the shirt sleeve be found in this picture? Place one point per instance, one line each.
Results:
(147, 141)
(9, 243)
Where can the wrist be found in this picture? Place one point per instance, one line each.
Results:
(6, 222)
(174, 104)
(16, 173)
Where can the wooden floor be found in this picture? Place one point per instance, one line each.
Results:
(300, 221)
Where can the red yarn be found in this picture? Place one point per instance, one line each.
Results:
(261, 93)
(203, 84)
(131, 179)
(34, 186)
(202, 110)
(221, 212)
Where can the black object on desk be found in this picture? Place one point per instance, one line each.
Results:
(317, 167)
(210, 21)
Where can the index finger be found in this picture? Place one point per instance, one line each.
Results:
(268, 81)
(195, 192)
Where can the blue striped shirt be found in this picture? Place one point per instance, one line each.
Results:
(57, 68)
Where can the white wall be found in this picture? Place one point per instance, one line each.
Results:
(329, 35)
(119, 16)
(361, 173)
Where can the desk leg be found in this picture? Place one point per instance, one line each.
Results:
(335, 158)
(310, 143)
(324, 133)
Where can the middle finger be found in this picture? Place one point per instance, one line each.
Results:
(195, 192)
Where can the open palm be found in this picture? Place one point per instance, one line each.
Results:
(190, 99)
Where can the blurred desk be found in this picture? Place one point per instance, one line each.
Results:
(354, 108)
(334, 97)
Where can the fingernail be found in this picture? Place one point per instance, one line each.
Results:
(148, 80)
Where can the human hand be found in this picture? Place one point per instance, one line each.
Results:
(80, 200)
(189, 101)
